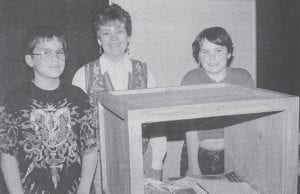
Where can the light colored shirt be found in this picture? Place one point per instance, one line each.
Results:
(118, 74)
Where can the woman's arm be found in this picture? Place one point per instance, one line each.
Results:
(192, 143)
(9, 166)
(158, 143)
(89, 163)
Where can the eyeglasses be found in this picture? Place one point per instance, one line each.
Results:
(48, 55)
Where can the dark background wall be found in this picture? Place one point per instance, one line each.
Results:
(278, 45)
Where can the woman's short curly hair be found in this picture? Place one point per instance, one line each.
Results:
(216, 35)
(113, 13)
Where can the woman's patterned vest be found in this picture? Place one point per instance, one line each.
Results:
(97, 82)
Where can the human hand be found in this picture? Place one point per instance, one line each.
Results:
(83, 190)
(156, 174)
(191, 172)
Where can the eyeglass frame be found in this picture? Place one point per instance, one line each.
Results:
(46, 54)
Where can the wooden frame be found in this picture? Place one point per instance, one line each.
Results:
(261, 135)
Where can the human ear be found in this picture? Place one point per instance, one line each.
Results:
(28, 60)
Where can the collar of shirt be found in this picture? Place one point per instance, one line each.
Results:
(118, 73)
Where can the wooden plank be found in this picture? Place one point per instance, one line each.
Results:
(212, 86)
(117, 155)
(114, 104)
(179, 96)
(134, 127)
(102, 148)
(290, 148)
(265, 149)
(211, 109)
(254, 146)
(168, 89)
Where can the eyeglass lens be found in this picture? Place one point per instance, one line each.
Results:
(47, 55)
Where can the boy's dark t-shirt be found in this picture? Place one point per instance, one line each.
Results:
(48, 131)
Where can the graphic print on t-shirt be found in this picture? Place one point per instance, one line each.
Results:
(50, 143)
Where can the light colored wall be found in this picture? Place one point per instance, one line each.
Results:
(163, 31)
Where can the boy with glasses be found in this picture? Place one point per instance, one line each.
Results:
(47, 130)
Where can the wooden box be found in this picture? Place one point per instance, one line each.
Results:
(261, 136)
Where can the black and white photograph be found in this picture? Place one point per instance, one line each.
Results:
(149, 96)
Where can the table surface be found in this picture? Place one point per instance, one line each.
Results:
(188, 95)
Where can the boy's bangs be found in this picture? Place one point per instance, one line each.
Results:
(216, 39)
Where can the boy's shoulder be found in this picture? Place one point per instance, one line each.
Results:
(193, 76)
(194, 72)
(74, 91)
(238, 73)
(77, 96)
(17, 93)
(237, 70)
(240, 76)
(28, 90)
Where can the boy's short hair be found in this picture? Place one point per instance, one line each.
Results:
(113, 13)
(41, 32)
(216, 35)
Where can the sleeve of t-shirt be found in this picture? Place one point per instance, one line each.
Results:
(251, 82)
(189, 78)
(245, 79)
(88, 127)
(85, 120)
(8, 132)
(184, 80)
(88, 123)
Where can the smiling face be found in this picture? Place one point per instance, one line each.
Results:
(213, 58)
(113, 38)
(49, 66)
